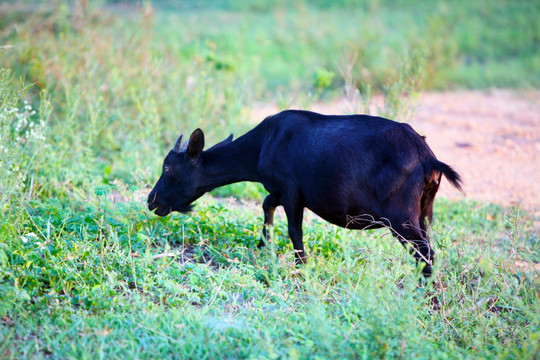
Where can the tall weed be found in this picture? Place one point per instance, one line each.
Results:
(23, 142)
(399, 96)
(120, 98)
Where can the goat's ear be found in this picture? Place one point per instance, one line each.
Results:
(223, 142)
(195, 145)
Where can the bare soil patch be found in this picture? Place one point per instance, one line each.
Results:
(492, 138)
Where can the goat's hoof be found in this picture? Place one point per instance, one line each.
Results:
(435, 304)
(300, 260)
(427, 271)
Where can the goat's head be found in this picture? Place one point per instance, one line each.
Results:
(180, 182)
(177, 186)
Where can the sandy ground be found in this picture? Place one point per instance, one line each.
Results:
(492, 138)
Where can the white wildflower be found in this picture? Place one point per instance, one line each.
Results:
(27, 237)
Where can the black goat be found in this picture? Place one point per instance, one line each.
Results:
(357, 171)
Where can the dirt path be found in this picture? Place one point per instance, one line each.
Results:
(491, 138)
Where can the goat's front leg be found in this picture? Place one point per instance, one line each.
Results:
(295, 214)
(270, 204)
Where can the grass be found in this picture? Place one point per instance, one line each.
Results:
(92, 282)
(92, 97)
(490, 36)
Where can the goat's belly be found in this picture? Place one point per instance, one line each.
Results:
(357, 220)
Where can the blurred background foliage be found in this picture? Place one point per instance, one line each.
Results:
(125, 77)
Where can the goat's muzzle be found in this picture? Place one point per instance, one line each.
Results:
(153, 205)
(159, 210)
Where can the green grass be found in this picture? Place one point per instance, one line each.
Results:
(466, 44)
(82, 271)
(88, 284)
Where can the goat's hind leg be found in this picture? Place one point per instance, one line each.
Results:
(269, 206)
(410, 233)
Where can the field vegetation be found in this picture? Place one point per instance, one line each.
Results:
(92, 96)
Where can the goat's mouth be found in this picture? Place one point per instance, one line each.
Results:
(166, 210)
(163, 211)
(159, 210)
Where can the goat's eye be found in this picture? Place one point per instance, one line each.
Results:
(166, 168)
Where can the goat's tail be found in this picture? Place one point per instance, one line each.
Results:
(451, 175)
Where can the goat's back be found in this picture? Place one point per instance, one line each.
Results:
(348, 144)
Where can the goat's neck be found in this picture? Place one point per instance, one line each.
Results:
(230, 163)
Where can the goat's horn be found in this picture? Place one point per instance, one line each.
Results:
(176, 147)
(184, 147)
